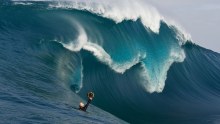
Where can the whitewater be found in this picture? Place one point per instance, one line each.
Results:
(143, 67)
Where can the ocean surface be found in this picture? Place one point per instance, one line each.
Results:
(141, 67)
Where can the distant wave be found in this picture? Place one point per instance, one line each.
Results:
(22, 3)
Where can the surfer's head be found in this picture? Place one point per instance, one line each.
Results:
(90, 95)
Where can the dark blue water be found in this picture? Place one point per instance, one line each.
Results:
(51, 57)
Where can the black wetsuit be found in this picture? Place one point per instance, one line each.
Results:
(86, 106)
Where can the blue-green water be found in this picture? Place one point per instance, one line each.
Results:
(51, 57)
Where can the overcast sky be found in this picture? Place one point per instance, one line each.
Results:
(200, 18)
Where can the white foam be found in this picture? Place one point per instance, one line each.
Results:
(119, 11)
(105, 58)
(81, 40)
(22, 3)
(152, 85)
(157, 84)
(98, 52)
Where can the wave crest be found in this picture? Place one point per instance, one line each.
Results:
(120, 11)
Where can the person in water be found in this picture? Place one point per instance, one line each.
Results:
(81, 104)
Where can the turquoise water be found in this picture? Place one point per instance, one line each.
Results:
(51, 57)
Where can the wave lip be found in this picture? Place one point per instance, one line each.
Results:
(105, 58)
(120, 11)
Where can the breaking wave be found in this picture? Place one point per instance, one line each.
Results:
(126, 52)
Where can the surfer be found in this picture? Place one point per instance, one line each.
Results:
(81, 104)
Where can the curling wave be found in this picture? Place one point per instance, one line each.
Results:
(154, 74)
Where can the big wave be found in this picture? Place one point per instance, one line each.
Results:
(140, 65)
(154, 75)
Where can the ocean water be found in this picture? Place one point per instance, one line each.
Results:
(142, 68)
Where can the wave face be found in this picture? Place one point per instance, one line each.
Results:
(123, 44)
(140, 72)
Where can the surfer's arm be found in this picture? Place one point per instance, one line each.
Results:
(87, 104)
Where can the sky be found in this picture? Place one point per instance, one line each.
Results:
(200, 18)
